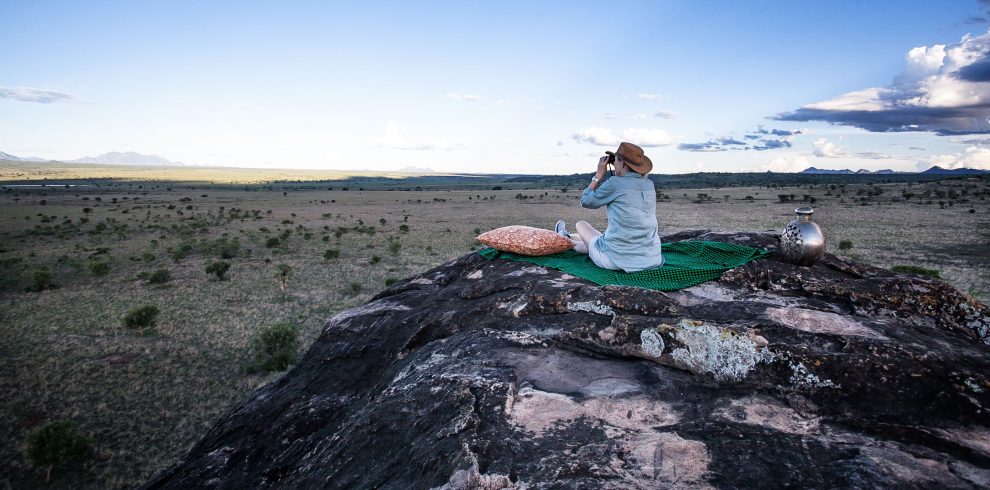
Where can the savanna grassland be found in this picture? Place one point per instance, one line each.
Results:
(75, 260)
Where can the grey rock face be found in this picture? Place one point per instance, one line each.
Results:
(498, 374)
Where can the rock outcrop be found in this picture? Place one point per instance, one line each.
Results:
(499, 374)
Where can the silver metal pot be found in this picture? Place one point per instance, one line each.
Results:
(802, 241)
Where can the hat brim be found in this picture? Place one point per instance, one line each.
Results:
(643, 167)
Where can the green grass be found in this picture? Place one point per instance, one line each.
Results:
(916, 270)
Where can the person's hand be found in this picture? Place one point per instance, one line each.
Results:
(602, 165)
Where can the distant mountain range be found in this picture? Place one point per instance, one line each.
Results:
(127, 158)
(934, 170)
(133, 158)
(112, 158)
(8, 156)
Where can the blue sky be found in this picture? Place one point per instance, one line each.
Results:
(529, 87)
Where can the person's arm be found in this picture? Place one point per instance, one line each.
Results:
(594, 196)
(596, 181)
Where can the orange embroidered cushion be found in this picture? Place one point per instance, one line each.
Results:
(525, 240)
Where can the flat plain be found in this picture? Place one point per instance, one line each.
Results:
(146, 396)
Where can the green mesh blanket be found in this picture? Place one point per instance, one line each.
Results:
(685, 264)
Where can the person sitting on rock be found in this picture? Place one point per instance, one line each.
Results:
(630, 242)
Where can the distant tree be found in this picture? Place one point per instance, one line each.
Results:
(160, 276)
(99, 269)
(274, 347)
(141, 317)
(40, 279)
(57, 443)
(218, 269)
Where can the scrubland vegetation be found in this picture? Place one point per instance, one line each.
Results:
(134, 314)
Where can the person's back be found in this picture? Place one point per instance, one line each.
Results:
(631, 239)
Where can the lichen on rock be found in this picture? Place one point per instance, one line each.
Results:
(803, 378)
(719, 352)
(591, 307)
(652, 342)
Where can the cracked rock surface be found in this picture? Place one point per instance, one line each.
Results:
(498, 374)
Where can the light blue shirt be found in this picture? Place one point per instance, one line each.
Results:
(631, 239)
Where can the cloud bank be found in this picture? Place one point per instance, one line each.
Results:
(945, 89)
(759, 140)
(38, 95)
(823, 148)
(641, 136)
(972, 157)
(794, 163)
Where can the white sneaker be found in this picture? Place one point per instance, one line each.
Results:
(561, 229)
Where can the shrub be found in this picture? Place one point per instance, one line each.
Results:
(272, 242)
(218, 269)
(404, 228)
(331, 253)
(375, 259)
(99, 269)
(40, 279)
(224, 248)
(160, 276)
(181, 251)
(355, 288)
(274, 346)
(845, 245)
(141, 317)
(57, 443)
(918, 271)
(394, 246)
(390, 281)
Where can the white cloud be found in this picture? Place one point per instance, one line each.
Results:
(597, 136)
(923, 61)
(860, 100)
(826, 149)
(944, 89)
(648, 137)
(972, 157)
(640, 136)
(464, 97)
(794, 163)
(665, 114)
(650, 96)
(28, 94)
(394, 138)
